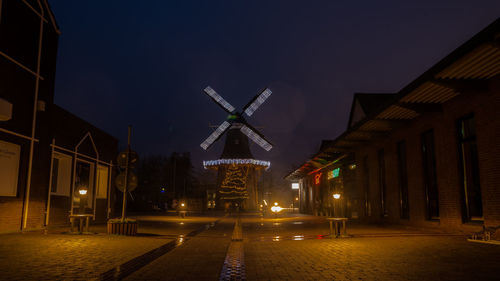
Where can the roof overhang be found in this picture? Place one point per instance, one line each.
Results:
(466, 70)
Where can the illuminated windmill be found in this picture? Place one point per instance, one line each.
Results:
(236, 168)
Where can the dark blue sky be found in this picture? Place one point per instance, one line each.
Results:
(145, 63)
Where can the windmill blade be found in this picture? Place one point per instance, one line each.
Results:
(256, 137)
(257, 101)
(215, 135)
(219, 100)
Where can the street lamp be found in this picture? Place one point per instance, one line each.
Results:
(83, 198)
(337, 203)
(182, 210)
(276, 209)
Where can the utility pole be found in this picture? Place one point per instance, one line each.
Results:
(124, 207)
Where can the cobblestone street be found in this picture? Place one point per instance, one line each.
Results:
(59, 255)
(286, 248)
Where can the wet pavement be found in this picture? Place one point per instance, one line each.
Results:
(289, 247)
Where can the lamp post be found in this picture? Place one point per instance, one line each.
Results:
(182, 209)
(295, 186)
(83, 198)
(336, 199)
(276, 209)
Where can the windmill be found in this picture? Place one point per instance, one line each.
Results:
(237, 169)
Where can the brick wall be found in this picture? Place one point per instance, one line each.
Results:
(485, 107)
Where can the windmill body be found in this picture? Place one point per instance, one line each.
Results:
(237, 170)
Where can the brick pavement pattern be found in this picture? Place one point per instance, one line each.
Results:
(62, 256)
(278, 251)
(234, 264)
(287, 248)
(34, 256)
(200, 258)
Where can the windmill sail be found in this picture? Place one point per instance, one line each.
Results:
(257, 138)
(257, 101)
(215, 135)
(218, 99)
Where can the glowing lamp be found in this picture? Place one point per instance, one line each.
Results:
(182, 204)
(336, 195)
(82, 191)
(275, 203)
(276, 209)
(296, 198)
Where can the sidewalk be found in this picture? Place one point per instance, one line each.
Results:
(58, 255)
(300, 249)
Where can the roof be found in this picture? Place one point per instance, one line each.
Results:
(365, 104)
(467, 67)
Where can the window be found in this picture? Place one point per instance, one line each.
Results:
(9, 168)
(403, 181)
(472, 206)
(429, 174)
(61, 175)
(102, 182)
(382, 183)
(366, 186)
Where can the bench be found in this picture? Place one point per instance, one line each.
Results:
(81, 217)
(336, 230)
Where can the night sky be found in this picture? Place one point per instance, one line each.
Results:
(145, 63)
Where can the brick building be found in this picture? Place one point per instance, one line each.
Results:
(424, 156)
(46, 153)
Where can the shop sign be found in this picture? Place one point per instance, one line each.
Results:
(317, 178)
(333, 173)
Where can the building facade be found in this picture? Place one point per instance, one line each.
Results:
(427, 155)
(45, 151)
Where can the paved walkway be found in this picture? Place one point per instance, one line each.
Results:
(286, 248)
(200, 258)
(59, 255)
(300, 249)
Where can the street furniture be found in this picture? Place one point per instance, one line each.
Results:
(337, 222)
(81, 218)
(182, 214)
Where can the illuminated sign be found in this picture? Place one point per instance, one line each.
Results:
(317, 178)
(295, 185)
(334, 173)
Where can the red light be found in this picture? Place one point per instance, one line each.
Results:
(317, 178)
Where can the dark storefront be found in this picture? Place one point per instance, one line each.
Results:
(428, 154)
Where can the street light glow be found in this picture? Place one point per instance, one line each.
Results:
(276, 209)
(336, 196)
